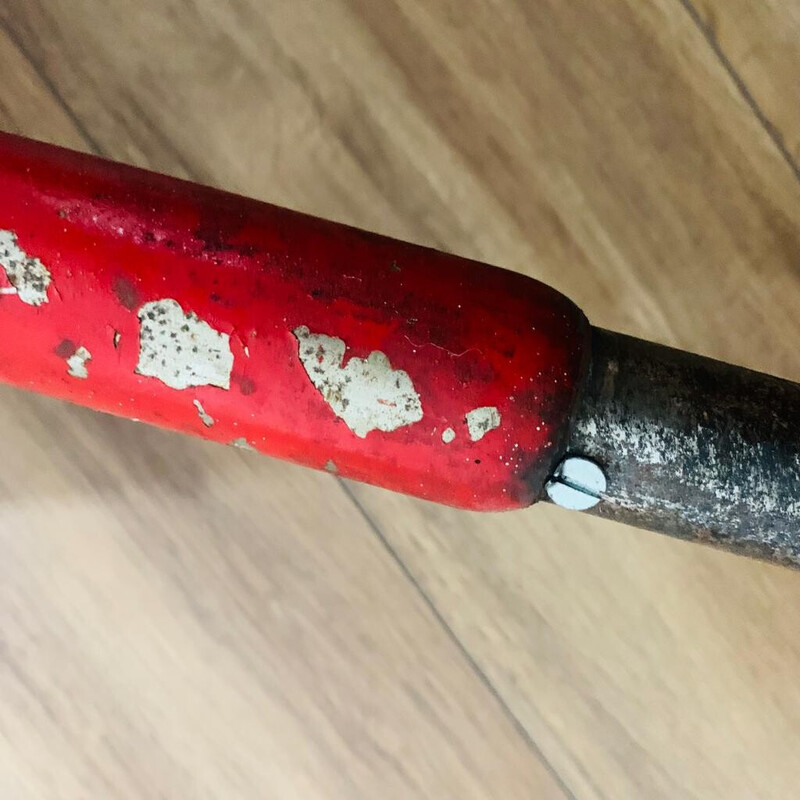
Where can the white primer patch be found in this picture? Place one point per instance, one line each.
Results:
(241, 442)
(76, 363)
(482, 420)
(448, 436)
(207, 419)
(367, 393)
(29, 277)
(180, 349)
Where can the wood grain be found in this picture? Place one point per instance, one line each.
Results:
(760, 45)
(183, 621)
(166, 632)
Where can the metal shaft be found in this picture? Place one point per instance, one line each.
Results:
(693, 447)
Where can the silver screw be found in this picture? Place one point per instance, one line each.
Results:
(577, 484)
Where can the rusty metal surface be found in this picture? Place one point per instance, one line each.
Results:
(693, 447)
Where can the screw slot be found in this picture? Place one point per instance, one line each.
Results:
(577, 484)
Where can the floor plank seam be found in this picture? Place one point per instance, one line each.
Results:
(656, 761)
(52, 88)
(462, 649)
(474, 666)
(769, 127)
(82, 130)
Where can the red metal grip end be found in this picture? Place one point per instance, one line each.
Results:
(204, 312)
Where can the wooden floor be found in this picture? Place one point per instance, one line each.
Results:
(177, 621)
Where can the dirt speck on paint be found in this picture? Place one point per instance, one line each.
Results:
(206, 418)
(180, 349)
(366, 393)
(77, 363)
(29, 277)
(247, 386)
(65, 348)
(126, 292)
(482, 420)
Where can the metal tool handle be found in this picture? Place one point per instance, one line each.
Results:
(226, 318)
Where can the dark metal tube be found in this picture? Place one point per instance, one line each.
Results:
(692, 447)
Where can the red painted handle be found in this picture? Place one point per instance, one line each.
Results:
(247, 324)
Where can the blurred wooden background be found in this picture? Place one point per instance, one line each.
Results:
(178, 621)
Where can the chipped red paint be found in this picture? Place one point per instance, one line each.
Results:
(468, 335)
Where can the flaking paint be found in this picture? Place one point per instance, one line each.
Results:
(77, 363)
(205, 417)
(180, 349)
(465, 334)
(27, 274)
(482, 420)
(366, 393)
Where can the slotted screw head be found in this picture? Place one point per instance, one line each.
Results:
(577, 484)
